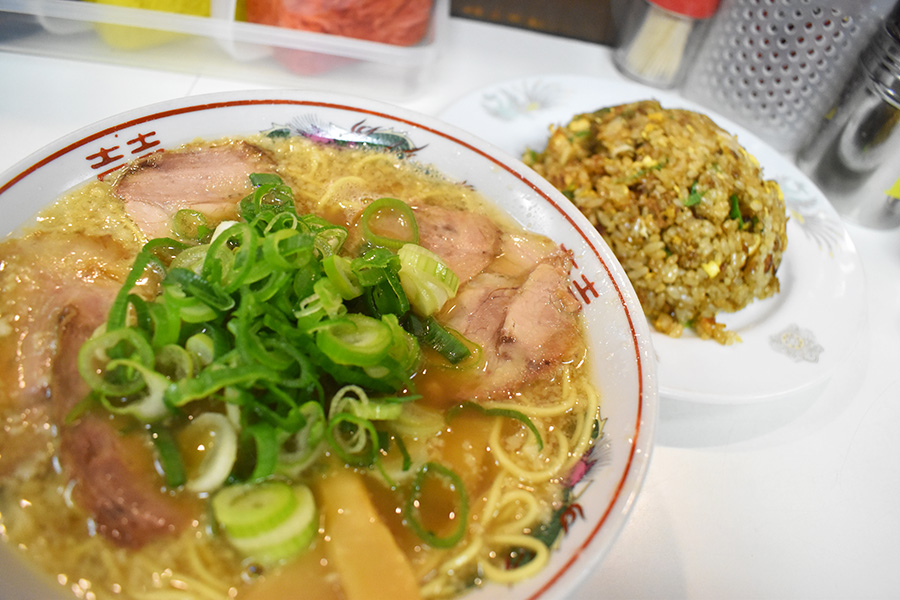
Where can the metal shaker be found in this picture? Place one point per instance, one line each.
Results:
(854, 157)
(660, 39)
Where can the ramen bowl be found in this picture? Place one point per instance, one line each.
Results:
(620, 357)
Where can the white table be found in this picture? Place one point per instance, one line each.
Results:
(799, 499)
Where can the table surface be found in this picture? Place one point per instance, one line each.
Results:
(794, 499)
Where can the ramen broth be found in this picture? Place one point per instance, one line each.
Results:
(514, 470)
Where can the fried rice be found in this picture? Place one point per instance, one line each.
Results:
(682, 204)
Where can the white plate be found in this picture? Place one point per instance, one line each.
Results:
(791, 342)
(603, 494)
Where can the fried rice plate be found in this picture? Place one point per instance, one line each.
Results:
(682, 204)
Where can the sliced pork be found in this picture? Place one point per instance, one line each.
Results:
(115, 482)
(211, 180)
(540, 328)
(521, 253)
(57, 288)
(524, 319)
(55, 291)
(468, 242)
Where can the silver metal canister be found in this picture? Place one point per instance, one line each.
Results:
(774, 66)
(854, 156)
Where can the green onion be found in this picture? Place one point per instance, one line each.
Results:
(298, 451)
(694, 197)
(330, 297)
(97, 352)
(164, 323)
(175, 362)
(141, 312)
(231, 255)
(147, 258)
(147, 404)
(377, 271)
(352, 399)
(288, 249)
(353, 439)
(339, 272)
(262, 323)
(455, 484)
(329, 239)
(187, 309)
(735, 212)
(210, 381)
(374, 266)
(387, 297)
(169, 457)
(245, 510)
(499, 412)
(407, 459)
(355, 340)
(258, 179)
(191, 258)
(427, 280)
(201, 348)
(444, 342)
(267, 446)
(378, 411)
(221, 445)
(389, 223)
(190, 225)
(270, 197)
(198, 287)
(404, 351)
(269, 522)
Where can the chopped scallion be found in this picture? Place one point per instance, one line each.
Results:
(460, 513)
(389, 223)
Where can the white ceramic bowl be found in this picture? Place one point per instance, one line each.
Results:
(620, 349)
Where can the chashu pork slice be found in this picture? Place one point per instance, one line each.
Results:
(468, 242)
(526, 324)
(209, 179)
(117, 484)
(55, 292)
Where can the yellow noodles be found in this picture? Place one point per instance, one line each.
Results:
(506, 574)
(554, 461)
(510, 510)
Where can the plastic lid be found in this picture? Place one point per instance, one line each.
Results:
(696, 9)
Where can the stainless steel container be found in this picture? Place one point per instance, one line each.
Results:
(774, 66)
(854, 156)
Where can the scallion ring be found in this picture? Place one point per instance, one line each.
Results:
(389, 223)
(507, 413)
(460, 515)
(95, 356)
(353, 439)
(213, 436)
(427, 280)
(355, 339)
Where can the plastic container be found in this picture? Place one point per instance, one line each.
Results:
(214, 39)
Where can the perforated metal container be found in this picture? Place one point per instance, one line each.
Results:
(854, 154)
(775, 66)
